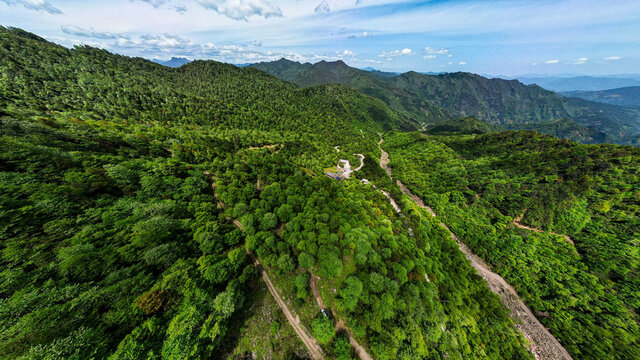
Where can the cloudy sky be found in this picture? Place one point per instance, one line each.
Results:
(505, 37)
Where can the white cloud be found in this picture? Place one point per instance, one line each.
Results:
(322, 8)
(428, 57)
(361, 35)
(166, 45)
(256, 43)
(391, 54)
(38, 5)
(534, 64)
(613, 58)
(580, 61)
(554, 61)
(154, 3)
(90, 33)
(431, 51)
(160, 43)
(242, 9)
(462, 63)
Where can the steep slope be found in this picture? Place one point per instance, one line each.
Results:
(543, 344)
(107, 85)
(513, 197)
(419, 110)
(571, 130)
(434, 98)
(626, 96)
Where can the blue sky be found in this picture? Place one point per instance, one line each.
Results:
(487, 37)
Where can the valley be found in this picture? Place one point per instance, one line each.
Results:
(432, 99)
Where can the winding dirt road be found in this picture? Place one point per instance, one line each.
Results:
(544, 345)
(311, 343)
(517, 223)
(340, 324)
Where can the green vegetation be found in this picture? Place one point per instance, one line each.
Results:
(431, 99)
(567, 129)
(626, 96)
(461, 126)
(323, 329)
(120, 178)
(586, 294)
(263, 331)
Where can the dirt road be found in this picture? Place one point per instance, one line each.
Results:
(340, 324)
(517, 223)
(311, 343)
(346, 168)
(544, 345)
(384, 159)
(361, 162)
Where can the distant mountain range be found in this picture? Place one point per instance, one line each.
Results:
(431, 99)
(626, 96)
(173, 62)
(581, 83)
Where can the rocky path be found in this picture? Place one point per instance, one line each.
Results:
(544, 345)
(340, 324)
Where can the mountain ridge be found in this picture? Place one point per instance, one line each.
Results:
(173, 62)
(428, 99)
(626, 96)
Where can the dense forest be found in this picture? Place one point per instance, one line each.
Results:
(134, 196)
(580, 270)
(431, 99)
(121, 179)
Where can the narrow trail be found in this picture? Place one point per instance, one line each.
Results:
(517, 223)
(340, 324)
(311, 343)
(263, 147)
(544, 345)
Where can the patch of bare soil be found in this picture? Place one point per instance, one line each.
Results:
(340, 324)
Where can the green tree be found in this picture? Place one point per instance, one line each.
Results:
(302, 285)
(351, 292)
(269, 222)
(323, 329)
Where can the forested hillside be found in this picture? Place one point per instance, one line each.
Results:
(559, 221)
(626, 96)
(419, 110)
(123, 186)
(432, 98)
